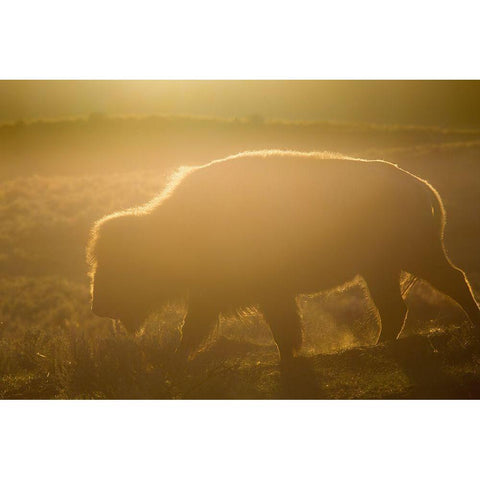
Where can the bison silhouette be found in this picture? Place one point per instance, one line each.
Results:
(258, 228)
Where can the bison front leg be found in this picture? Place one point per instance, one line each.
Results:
(386, 295)
(198, 324)
(284, 320)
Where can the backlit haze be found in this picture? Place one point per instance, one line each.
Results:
(441, 103)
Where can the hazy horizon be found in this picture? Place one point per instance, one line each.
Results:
(433, 103)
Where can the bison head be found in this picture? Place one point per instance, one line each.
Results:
(120, 287)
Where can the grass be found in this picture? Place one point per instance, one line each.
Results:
(52, 347)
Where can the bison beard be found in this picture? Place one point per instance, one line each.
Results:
(259, 228)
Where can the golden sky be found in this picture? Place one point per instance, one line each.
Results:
(443, 103)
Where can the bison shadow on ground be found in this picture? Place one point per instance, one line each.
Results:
(438, 365)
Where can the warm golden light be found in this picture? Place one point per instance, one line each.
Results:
(231, 251)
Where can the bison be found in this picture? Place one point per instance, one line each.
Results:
(258, 228)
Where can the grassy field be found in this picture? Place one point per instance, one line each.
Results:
(59, 177)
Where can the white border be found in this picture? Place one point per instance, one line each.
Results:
(239, 40)
(238, 440)
(214, 39)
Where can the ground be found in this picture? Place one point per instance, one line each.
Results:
(438, 366)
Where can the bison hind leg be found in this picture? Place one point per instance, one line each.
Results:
(282, 315)
(438, 270)
(385, 293)
(198, 325)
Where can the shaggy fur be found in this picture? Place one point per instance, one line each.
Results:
(258, 228)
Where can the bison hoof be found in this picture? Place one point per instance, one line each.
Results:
(131, 325)
(184, 354)
(476, 331)
(385, 339)
(286, 358)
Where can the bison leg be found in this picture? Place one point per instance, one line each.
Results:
(283, 318)
(198, 324)
(386, 295)
(450, 280)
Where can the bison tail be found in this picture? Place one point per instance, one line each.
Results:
(438, 210)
